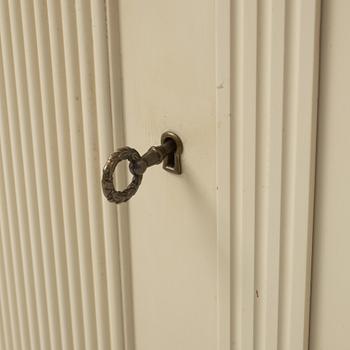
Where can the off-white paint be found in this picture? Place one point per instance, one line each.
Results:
(217, 258)
(168, 65)
(274, 64)
(330, 308)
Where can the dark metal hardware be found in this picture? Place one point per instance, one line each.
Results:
(169, 152)
(172, 162)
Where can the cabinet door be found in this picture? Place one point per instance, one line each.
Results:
(215, 258)
(330, 307)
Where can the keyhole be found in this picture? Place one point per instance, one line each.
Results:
(172, 162)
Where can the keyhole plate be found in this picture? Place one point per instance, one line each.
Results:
(172, 162)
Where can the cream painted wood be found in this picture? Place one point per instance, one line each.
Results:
(266, 98)
(60, 268)
(217, 258)
(330, 308)
(274, 63)
(169, 83)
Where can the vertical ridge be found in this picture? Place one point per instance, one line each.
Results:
(300, 113)
(223, 155)
(269, 169)
(243, 128)
(291, 75)
(236, 179)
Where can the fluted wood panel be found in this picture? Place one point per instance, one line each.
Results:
(267, 86)
(60, 270)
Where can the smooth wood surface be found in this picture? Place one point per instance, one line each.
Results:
(168, 55)
(330, 307)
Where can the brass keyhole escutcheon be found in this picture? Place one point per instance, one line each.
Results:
(172, 162)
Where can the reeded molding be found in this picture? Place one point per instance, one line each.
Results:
(267, 86)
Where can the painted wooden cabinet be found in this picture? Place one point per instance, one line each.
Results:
(217, 258)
